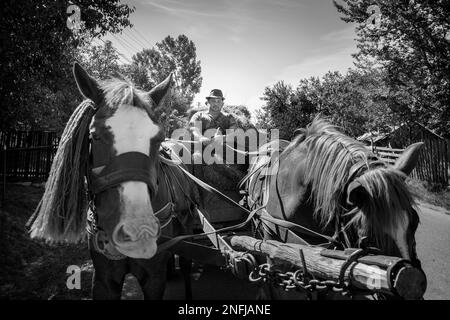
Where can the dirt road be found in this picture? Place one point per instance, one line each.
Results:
(433, 249)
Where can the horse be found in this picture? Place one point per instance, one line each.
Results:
(334, 186)
(108, 174)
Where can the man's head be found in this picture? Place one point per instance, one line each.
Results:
(215, 101)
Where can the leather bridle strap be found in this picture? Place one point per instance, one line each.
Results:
(130, 166)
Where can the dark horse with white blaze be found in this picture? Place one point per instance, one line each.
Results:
(134, 197)
(335, 186)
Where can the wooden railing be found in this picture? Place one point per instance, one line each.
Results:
(388, 155)
(432, 167)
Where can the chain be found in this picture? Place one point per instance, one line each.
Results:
(295, 280)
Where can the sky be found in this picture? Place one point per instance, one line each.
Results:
(246, 45)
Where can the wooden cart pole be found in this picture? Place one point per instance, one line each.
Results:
(375, 272)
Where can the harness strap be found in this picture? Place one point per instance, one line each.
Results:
(136, 168)
(293, 226)
(246, 153)
(263, 200)
(252, 213)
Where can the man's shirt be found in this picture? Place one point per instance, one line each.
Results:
(224, 121)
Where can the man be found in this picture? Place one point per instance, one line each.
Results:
(213, 118)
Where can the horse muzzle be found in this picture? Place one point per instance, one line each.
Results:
(137, 238)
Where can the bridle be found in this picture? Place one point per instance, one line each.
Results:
(129, 166)
(356, 170)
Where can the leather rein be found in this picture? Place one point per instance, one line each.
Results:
(134, 166)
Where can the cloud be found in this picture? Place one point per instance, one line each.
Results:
(317, 66)
(340, 35)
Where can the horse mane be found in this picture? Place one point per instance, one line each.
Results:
(122, 91)
(330, 156)
(61, 213)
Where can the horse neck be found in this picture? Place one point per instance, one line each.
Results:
(173, 187)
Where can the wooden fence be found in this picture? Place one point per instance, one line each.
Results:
(27, 155)
(432, 167)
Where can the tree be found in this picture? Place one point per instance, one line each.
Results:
(411, 45)
(356, 102)
(151, 66)
(38, 52)
(242, 115)
(100, 61)
(285, 110)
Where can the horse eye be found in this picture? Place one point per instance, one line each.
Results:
(95, 136)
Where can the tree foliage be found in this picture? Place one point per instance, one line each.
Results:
(151, 66)
(357, 102)
(411, 45)
(37, 53)
(178, 56)
(100, 61)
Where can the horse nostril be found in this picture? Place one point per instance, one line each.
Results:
(122, 235)
(148, 231)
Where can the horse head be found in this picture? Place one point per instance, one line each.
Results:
(385, 204)
(121, 161)
(126, 138)
(334, 185)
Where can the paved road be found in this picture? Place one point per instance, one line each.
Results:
(433, 249)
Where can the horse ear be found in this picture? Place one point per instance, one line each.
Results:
(87, 85)
(357, 195)
(158, 92)
(409, 158)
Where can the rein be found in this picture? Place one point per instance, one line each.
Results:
(136, 168)
(264, 201)
(259, 211)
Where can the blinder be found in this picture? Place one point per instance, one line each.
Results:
(130, 166)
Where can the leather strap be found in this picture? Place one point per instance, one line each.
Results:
(130, 166)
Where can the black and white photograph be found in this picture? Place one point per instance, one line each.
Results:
(223, 155)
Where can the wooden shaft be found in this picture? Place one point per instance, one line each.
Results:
(407, 281)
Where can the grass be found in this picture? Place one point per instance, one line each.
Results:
(431, 194)
(33, 269)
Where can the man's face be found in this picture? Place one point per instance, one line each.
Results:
(215, 104)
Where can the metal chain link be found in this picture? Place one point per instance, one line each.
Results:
(296, 280)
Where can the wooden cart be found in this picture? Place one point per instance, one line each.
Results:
(293, 265)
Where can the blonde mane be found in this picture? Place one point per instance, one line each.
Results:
(330, 158)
